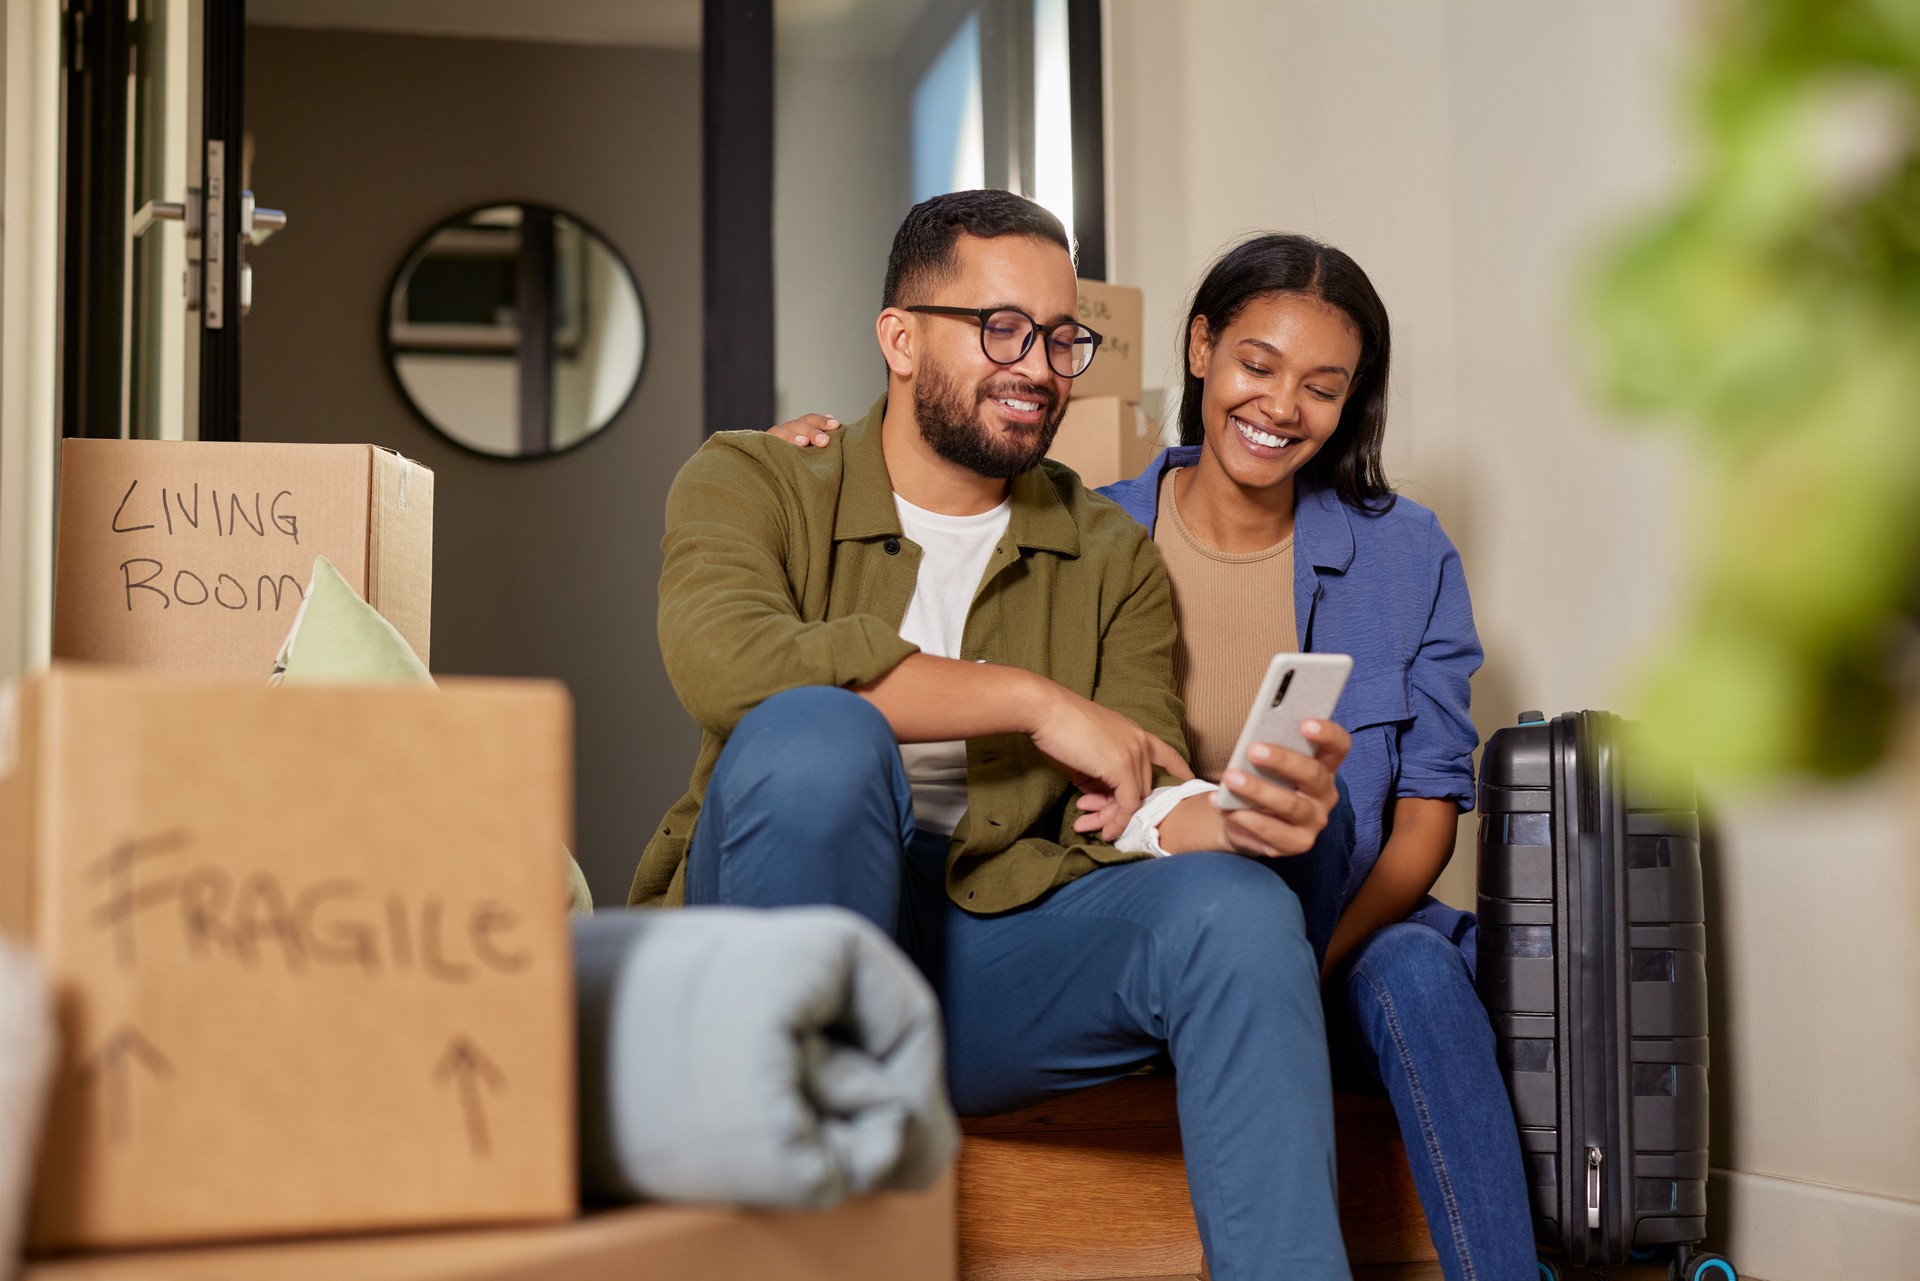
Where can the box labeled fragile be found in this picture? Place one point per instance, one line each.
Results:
(1114, 312)
(309, 949)
(1105, 439)
(191, 556)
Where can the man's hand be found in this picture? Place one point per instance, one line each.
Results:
(1284, 820)
(1108, 757)
(807, 429)
(932, 700)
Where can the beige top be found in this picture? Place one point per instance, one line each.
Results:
(1235, 611)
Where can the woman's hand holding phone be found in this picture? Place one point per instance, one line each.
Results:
(1284, 813)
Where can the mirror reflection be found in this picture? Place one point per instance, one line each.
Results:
(516, 330)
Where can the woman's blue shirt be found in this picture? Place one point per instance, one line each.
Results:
(1388, 589)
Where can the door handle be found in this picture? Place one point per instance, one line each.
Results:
(187, 213)
(166, 211)
(257, 223)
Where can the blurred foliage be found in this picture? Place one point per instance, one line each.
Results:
(1771, 312)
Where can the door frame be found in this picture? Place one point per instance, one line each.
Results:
(96, 217)
(30, 53)
(93, 189)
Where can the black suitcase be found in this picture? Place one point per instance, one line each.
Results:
(1592, 965)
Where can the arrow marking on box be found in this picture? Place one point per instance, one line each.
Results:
(465, 1063)
(112, 1062)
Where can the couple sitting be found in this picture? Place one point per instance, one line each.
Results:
(946, 687)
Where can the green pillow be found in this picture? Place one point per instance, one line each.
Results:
(337, 638)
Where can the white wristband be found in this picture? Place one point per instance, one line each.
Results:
(1143, 829)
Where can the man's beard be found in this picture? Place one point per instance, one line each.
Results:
(950, 423)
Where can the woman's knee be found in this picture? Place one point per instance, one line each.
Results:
(1413, 957)
(1410, 970)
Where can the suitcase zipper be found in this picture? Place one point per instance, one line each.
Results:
(1594, 1157)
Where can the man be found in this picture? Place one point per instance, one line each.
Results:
(935, 679)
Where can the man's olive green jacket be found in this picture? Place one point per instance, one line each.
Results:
(787, 567)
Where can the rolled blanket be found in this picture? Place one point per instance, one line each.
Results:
(27, 1041)
(772, 1058)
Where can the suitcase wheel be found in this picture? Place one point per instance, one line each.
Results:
(1703, 1267)
(1549, 1270)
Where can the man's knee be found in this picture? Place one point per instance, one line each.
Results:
(808, 745)
(1234, 911)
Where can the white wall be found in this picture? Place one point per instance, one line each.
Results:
(1469, 154)
(29, 238)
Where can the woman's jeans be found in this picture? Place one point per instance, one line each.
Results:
(1203, 957)
(1403, 1018)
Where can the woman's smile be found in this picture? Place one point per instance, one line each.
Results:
(1263, 443)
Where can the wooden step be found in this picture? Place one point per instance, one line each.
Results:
(1092, 1187)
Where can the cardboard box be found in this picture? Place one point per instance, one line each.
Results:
(191, 557)
(309, 949)
(1105, 439)
(1114, 312)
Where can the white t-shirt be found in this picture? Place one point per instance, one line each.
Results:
(954, 552)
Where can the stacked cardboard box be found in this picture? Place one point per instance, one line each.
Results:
(191, 557)
(310, 952)
(310, 945)
(1105, 436)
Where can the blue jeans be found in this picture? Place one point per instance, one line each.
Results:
(1403, 1018)
(1204, 957)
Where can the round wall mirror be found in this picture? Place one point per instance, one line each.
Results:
(516, 330)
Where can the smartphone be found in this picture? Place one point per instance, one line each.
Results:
(1298, 687)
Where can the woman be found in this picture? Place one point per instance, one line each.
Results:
(1280, 531)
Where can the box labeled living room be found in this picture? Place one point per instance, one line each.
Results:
(193, 556)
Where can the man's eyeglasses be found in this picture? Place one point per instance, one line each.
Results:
(1007, 333)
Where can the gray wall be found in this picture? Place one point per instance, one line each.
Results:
(545, 568)
(839, 193)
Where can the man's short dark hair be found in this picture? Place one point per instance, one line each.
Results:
(923, 247)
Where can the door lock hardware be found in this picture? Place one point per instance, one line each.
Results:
(256, 223)
(183, 211)
(187, 213)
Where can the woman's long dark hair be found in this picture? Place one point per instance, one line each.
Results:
(1272, 263)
